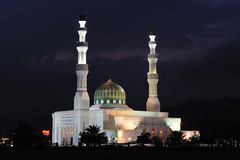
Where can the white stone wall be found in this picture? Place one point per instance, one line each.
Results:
(125, 136)
(96, 118)
(67, 125)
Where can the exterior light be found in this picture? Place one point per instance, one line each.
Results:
(120, 133)
(45, 132)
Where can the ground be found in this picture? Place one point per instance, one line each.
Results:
(121, 153)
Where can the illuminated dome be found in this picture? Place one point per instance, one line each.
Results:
(109, 93)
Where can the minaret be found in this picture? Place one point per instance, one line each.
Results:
(81, 99)
(153, 103)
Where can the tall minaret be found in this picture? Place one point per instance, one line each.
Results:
(153, 103)
(81, 99)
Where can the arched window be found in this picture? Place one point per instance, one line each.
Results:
(108, 101)
(153, 131)
(114, 101)
(161, 132)
(120, 101)
(96, 101)
(102, 101)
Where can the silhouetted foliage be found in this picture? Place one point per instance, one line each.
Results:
(194, 139)
(144, 138)
(196, 114)
(23, 136)
(207, 138)
(157, 141)
(93, 136)
(176, 137)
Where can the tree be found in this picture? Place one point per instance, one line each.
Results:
(93, 136)
(144, 138)
(207, 137)
(195, 139)
(157, 141)
(176, 137)
(23, 136)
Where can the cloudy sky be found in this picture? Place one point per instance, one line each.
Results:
(198, 46)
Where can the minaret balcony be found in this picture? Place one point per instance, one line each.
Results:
(81, 67)
(152, 43)
(82, 43)
(152, 55)
(82, 29)
(152, 75)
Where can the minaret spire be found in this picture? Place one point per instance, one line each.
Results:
(81, 99)
(153, 103)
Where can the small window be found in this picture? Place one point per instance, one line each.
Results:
(108, 101)
(114, 101)
(120, 101)
(102, 101)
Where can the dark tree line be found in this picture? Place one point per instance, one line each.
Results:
(25, 135)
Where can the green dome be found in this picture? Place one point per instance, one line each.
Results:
(109, 93)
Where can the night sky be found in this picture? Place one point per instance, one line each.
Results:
(198, 46)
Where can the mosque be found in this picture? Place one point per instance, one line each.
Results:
(110, 111)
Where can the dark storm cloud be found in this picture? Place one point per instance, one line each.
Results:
(197, 45)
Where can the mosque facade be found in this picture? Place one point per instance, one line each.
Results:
(110, 111)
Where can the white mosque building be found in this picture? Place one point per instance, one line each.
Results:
(110, 111)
